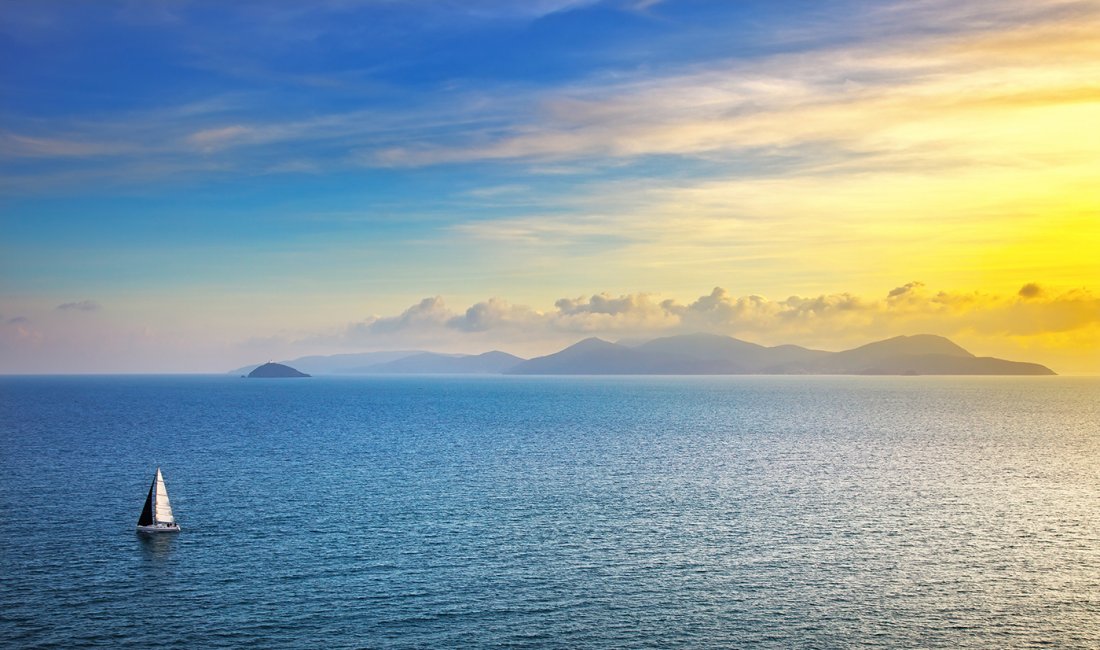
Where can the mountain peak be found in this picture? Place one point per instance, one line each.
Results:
(592, 343)
(914, 344)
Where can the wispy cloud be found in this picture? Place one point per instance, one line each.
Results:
(220, 137)
(507, 9)
(983, 83)
(23, 146)
(876, 99)
(83, 305)
(495, 191)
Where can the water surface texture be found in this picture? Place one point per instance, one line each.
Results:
(430, 512)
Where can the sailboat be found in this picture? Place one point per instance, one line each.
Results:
(156, 516)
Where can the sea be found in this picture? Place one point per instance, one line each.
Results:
(552, 512)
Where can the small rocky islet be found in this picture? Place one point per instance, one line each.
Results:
(275, 371)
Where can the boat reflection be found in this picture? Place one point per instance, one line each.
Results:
(156, 548)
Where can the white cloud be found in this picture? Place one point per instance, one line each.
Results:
(428, 313)
(494, 314)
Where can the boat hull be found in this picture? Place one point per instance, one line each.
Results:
(159, 528)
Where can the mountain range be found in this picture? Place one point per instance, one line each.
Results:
(690, 354)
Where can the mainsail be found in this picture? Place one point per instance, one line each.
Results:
(163, 512)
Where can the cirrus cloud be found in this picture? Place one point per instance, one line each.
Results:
(82, 305)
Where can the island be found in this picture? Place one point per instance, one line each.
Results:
(709, 354)
(275, 371)
(685, 354)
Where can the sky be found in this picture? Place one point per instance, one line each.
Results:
(196, 186)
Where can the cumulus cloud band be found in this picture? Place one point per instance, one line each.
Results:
(828, 320)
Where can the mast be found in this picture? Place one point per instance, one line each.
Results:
(156, 496)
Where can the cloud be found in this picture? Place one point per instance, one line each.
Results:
(905, 290)
(294, 167)
(83, 305)
(508, 9)
(719, 309)
(601, 304)
(494, 314)
(867, 103)
(16, 333)
(15, 145)
(429, 312)
(498, 190)
(997, 85)
(1038, 315)
(217, 138)
(1030, 290)
(605, 313)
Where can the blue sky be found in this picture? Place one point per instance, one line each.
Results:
(217, 181)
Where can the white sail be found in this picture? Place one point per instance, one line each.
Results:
(163, 508)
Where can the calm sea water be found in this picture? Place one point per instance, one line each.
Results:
(553, 512)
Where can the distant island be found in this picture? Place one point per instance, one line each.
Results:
(690, 354)
(707, 354)
(275, 371)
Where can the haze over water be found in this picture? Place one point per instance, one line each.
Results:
(553, 512)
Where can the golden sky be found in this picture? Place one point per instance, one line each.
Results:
(824, 179)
